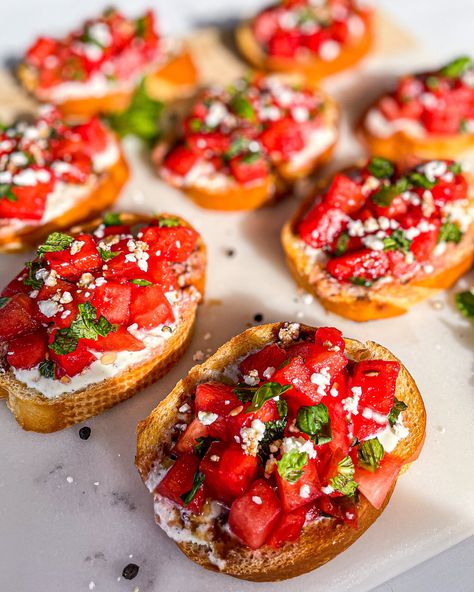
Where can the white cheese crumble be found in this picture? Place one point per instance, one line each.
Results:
(207, 418)
(322, 379)
(257, 500)
(251, 437)
(351, 404)
(305, 491)
(299, 444)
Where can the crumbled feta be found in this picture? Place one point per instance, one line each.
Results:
(251, 437)
(305, 491)
(257, 500)
(268, 372)
(252, 378)
(206, 417)
(77, 246)
(322, 379)
(49, 308)
(300, 444)
(351, 404)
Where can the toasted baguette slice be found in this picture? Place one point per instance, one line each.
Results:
(405, 148)
(238, 197)
(312, 68)
(176, 78)
(35, 412)
(377, 302)
(320, 541)
(102, 195)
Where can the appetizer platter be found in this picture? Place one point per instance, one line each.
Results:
(372, 420)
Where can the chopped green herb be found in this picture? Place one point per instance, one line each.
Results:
(456, 168)
(169, 221)
(370, 454)
(56, 241)
(341, 244)
(273, 431)
(381, 168)
(107, 255)
(31, 279)
(197, 483)
(420, 180)
(140, 27)
(196, 125)
(244, 392)
(290, 466)
(386, 194)
(238, 146)
(242, 107)
(314, 421)
(359, 281)
(397, 241)
(398, 407)
(112, 219)
(4, 301)
(251, 157)
(432, 82)
(46, 368)
(7, 193)
(268, 390)
(344, 480)
(465, 303)
(140, 282)
(86, 325)
(203, 443)
(450, 233)
(141, 118)
(457, 67)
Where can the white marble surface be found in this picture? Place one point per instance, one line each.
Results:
(58, 535)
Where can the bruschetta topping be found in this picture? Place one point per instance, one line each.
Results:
(105, 52)
(89, 306)
(315, 430)
(47, 165)
(301, 29)
(241, 133)
(437, 102)
(374, 224)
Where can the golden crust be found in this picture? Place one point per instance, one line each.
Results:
(319, 542)
(365, 304)
(237, 197)
(405, 149)
(35, 412)
(102, 196)
(313, 69)
(177, 78)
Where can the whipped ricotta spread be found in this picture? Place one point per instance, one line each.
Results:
(378, 125)
(154, 339)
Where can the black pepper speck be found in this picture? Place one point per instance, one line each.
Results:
(130, 571)
(84, 433)
(258, 318)
(230, 252)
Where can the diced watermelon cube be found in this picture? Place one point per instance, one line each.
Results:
(27, 351)
(17, 317)
(253, 516)
(365, 265)
(288, 528)
(181, 160)
(149, 307)
(229, 471)
(112, 300)
(247, 169)
(271, 356)
(174, 243)
(178, 481)
(188, 439)
(218, 398)
(376, 486)
(72, 363)
(303, 491)
(117, 341)
(345, 194)
(282, 138)
(284, 44)
(322, 225)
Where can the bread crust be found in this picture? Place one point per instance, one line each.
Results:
(238, 197)
(313, 68)
(35, 412)
(404, 148)
(176, 78)
(103, 195)
(320, 541)
(387, 300)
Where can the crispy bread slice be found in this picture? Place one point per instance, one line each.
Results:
(237, 197)
(377, 302)
(102, 195)
(320, 541)
(35, 412)
(404, 148)
(312, 68)
(176, 78)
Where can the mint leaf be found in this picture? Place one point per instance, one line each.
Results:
(168, 222)
(242, 107)
(203, 443)
(420, 180)
(139, 282)
(398, 407)
(397, 241)
(112, 219)
(4, 301)
(31, 279)
(344, 480)
(268, 390)
(290, 466)
(46, 368)
(370, 454)
(359, 281)
(238, 146)
(380, 168)
(465, 303)
(244, 392)
(107, 255)
(197, 482)
(341, 244)
(140, 119)
(457, 67)
(7, 193)
(56, 241)
(386, 194)
(314, 421)
(450, 233)
(456, 168)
